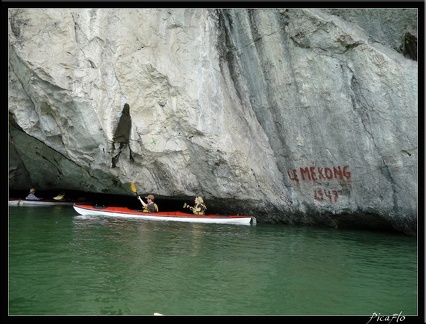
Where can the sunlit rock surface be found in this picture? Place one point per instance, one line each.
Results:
(296, 116)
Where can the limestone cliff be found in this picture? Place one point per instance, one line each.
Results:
(298, 116)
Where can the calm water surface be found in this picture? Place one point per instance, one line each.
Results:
(61, 263)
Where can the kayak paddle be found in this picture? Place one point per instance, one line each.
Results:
(185, 205)
(134, 188)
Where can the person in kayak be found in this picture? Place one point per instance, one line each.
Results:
(32, 196)
(150, 206)
(199, 208)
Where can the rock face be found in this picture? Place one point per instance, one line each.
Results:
(297, 116)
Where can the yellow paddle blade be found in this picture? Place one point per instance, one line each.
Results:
(59, 197)
(133, 187)
(185, 205)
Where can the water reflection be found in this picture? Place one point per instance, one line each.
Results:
(63, 263)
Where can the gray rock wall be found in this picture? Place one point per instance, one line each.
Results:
(298, 116)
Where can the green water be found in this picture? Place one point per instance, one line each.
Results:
(61, 263)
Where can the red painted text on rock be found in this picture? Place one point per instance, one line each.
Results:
(324, 194)
(314, 173)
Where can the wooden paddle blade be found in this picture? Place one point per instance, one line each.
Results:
(133, 187)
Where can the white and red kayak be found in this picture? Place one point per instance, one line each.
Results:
(177, 216)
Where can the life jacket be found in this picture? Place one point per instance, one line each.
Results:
(146, 209)
(203, 209)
